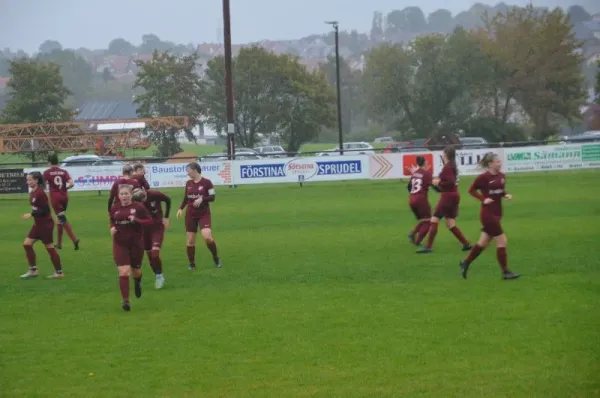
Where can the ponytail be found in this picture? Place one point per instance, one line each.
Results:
(487, 159)
(450, 153)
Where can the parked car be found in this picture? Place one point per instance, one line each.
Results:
(383, 139)
(350, 148)
(588, 136)
(271, 151)
(239, 155)
(90, 160)
(473, 143)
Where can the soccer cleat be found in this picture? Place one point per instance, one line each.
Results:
(464, 268)
(411, 238)
(466, 248)
(192, 267)
(76, 244)
(424, 250)
(137, 287)
(510, 275)
(159, 282)
(30, 274)
(126, 306)
(59, 247)
(56, 275)
(217, 262)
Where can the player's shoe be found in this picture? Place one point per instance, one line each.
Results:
(56, 275)
(464, 268)
(411, 238)
(159, 282)
(30, 274)
(217, 261)
(126, 306)
(466, 248)
(57, 246)
(510, 275)
(192, 267)
(137, 284)
(424, 250)
(76, 244)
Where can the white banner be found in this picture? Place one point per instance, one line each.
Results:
(323, 168)
(552, 157)
(339, 168)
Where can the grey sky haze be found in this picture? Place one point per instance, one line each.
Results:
(25, 24)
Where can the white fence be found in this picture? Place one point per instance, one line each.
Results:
(339, 168)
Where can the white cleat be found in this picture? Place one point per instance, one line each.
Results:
(160, 281)
(30, 274)
(56, 275)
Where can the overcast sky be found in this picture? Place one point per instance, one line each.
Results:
(25, 24)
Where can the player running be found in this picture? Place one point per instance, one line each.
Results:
(199, 192)
(59, 182)
(155, 233)
(127, 219)
(490, 188)
(42, 229)
(126, 180)
(418, 187)
(447, 206)
(139, 174)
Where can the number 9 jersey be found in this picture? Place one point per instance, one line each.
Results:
(57, 179)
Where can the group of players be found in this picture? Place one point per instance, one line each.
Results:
(137, 221)
(489, 188)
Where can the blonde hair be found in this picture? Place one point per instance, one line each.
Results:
(487, 159)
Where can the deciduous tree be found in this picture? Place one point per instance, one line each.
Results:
(76, 72)
(171, 87)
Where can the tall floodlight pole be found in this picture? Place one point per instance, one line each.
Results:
(228, 80)
(337, 83)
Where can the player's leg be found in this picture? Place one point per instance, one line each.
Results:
(501, 242)
(158, 235)
(136, 256)
(47, 238)
(30, 254)
(191, 228)
(124, 272)
(451, 225)
(412, 235)
(476, 250)
(433, 228)
(424, 214)
(211, 245)
(66, 225)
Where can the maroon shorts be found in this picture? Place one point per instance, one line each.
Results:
(59, 202)
(153, 236)
(128, 253)
(491, 225)
(42, 232)
(193, 224)
(420, 207)
(447, 206)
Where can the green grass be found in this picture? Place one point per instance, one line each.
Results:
(320, 295)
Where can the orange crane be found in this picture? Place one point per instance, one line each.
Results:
(81, 136)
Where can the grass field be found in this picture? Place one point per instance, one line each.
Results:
(320, 295)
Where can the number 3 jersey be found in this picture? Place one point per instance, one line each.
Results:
(57, 178)
(420, 181)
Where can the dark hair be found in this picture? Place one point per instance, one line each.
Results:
(195, 166)
(127, 170)
(53, 159)
(450, 153)
(138, 166)
(487, 159)
(36, 175)
(421, 161)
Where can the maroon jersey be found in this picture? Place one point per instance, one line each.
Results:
(141, 179)
(40, 207)
(57, 179)
(114, 190)
(488, 185)
(127, 230)
(153, 205)
(448, 179)
(420, 181)
(194, 190)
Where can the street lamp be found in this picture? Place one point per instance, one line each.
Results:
(336, 30)
(228, 80)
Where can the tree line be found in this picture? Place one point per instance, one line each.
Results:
(517, 77)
